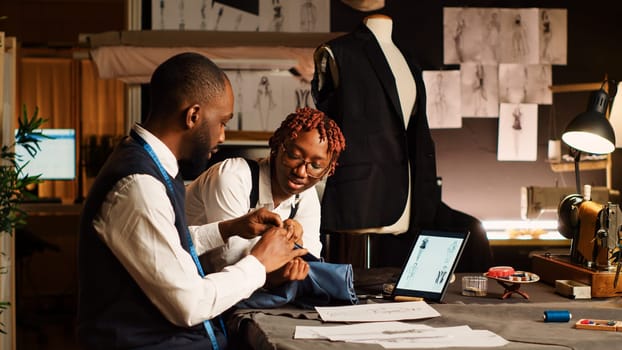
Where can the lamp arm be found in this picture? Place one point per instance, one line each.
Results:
(577, 159)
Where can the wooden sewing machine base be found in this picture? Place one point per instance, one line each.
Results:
(511, 288)
(559, 267)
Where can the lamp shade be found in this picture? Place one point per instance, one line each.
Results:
(590, 131)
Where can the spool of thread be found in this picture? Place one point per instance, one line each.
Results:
(557, 316)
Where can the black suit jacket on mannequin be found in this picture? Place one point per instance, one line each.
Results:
(370, 184)
(354, 85)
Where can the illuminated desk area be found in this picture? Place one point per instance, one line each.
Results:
(518, 320)
(514, 241)
(524, 233)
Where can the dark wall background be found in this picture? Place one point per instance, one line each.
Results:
(57, 23)
(473, 180)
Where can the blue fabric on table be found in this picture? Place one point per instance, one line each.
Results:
(326, 284)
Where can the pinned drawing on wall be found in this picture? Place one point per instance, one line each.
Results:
(471, 35)
(443, 99)
(518, 132)
(265, 97)
(504, 35)
(525, 83)
(294, 15)
(200, 15)
(539, 79)
(240, 15)
(512, 83)
(553, 36)
(519, 36)
(480, 90)
(223, 17)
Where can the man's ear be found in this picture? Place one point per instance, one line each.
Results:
(192, 116)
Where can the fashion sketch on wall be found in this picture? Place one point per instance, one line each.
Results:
(512, 83)
(228, 15)
(443, 99)
(294, 15)
(519, 36)
(264, 98)
(539, 78)
(518, 132)
(471, 35)
(553, 36)
(201, 15)
(480, 89)
(504, 35)
(520, 83)
(222, 17)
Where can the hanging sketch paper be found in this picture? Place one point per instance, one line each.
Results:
(512, 82)
(504, 35)
(262, 103)
(443, 98)
(480, 90)
(471, 35)
(518, 132)
(525, 83)
(236, 79)
(178, 14)
(294, 15)
(539, 79)
(264, 98)
(201, 15)
(553, 36)
(226, 18)
(519, 36)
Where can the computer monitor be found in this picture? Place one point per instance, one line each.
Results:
(56, 158)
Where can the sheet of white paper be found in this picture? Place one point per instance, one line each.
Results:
(396, 335)
(377, 312)
(414, 333)
(474, 339)
(354, 330)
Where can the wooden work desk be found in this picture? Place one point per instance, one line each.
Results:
(518, 320)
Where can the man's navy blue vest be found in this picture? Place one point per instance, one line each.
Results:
(113, 312)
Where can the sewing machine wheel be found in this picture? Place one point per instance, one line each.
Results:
(568, 215)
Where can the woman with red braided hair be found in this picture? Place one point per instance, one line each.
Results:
(303, 151)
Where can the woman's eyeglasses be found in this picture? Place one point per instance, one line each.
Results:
(292, 160)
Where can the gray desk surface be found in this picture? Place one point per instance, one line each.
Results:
(516, 319)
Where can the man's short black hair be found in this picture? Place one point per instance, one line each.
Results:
(185, 78)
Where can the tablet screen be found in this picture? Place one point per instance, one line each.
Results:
(432, 260)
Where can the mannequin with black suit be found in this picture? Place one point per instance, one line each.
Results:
(386, 180)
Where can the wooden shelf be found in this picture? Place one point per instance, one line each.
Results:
(203, 38)
(583, 165)
(247, 138)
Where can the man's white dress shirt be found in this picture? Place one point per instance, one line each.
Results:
(137, 222)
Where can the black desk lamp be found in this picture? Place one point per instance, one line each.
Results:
(590, 131)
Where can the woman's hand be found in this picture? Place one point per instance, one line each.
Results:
(296, 228)
(295, 270)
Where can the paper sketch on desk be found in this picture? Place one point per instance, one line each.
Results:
(377, 312)
(356, 331)
(402, 335)
(458, 337)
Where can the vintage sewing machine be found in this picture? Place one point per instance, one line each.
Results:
(595, 252)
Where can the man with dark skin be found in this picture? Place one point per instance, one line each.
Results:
(141, 285)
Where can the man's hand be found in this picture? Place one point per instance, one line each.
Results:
(250, 225)
(276, 248)
(297, 230)
(295, 270)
